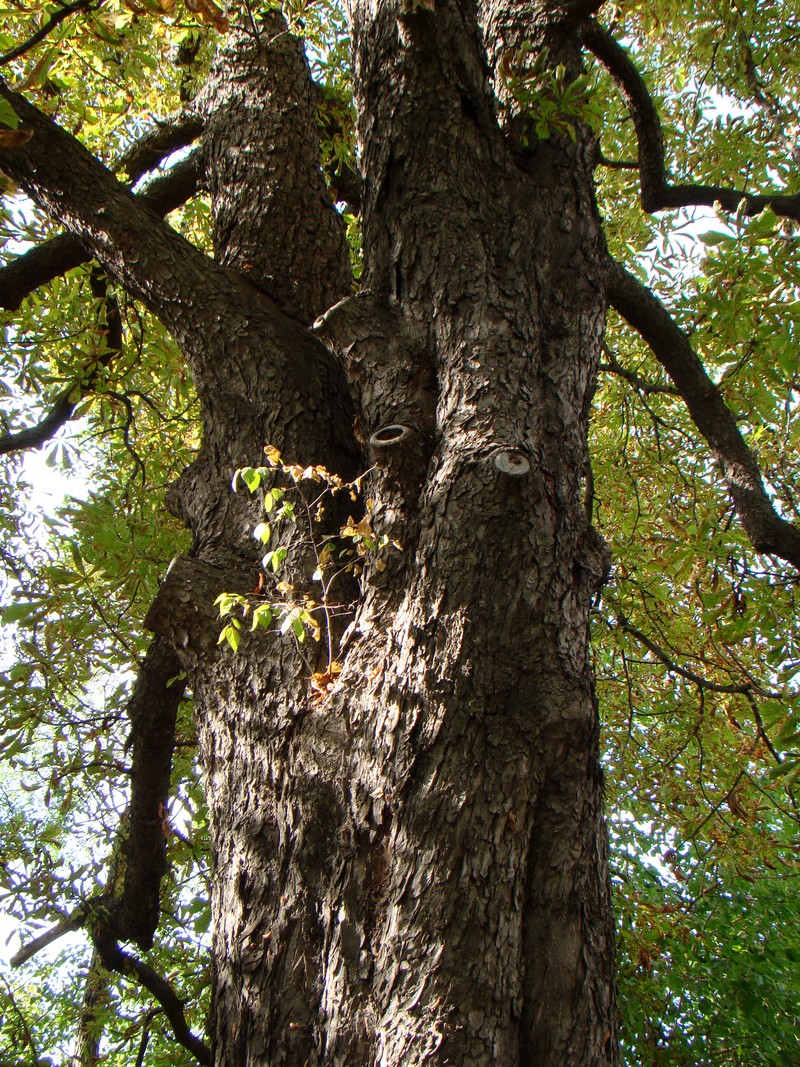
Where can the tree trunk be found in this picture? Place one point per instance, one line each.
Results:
(412, 869)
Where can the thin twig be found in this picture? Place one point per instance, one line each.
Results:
(43, 31)
(641, 384)
(99, 915)
(146, 1028)
(28, 1036)
(742, 689)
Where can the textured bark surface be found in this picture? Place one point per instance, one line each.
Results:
(412, 870)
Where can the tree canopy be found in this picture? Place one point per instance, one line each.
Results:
(695, 446)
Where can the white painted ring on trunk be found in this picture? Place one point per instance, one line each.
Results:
(512, 461)
(389, 435)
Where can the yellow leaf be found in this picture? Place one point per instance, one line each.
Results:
(363, 528)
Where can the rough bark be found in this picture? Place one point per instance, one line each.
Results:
(152, 711)
(58, 255)
(414, 868)
(469, 691)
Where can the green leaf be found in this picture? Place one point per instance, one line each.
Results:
(263, 616)
(272, 498)
(716, 237)
(226, 602)
(273, 560)
(8, 116)
(251, 477)
(263, 533)
(19, 612)
(232, 635)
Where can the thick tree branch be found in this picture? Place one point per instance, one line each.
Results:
(58, 255)
(167, 136)
(46, 261)
(767, 531)
(99, 920)
(115, 959)
(657, 192)
(616, 164)
(66, 402)
(46, 28)
(206, 306)
(66, 926)
(112, 316)
(152, 262)
(89, 1030)
(63, 253)
(35, 436)
(152, 710)
(581, 9)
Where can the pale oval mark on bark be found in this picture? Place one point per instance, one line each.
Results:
(512, 461)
